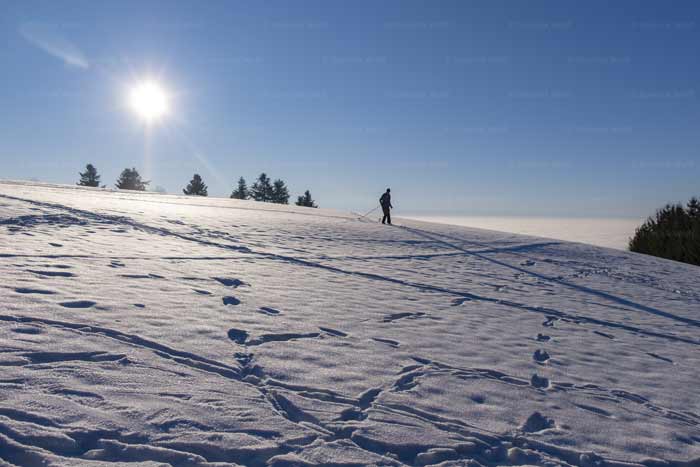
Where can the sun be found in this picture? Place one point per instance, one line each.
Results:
(149, 100)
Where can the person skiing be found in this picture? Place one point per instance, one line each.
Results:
(385, 202)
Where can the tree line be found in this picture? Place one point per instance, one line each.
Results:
(673, 233)
(270, 192)
(263, 189)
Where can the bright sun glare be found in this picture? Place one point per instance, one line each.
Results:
(148, 100)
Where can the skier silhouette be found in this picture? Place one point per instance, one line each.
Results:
(385, 202)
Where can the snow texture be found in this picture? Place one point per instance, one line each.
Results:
(140, 329)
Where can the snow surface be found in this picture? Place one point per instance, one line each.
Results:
(146, 329)
(609, 232)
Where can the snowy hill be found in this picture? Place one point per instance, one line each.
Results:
(144, 329)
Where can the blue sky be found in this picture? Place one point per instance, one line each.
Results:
(467, 107)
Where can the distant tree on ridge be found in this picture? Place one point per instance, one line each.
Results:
(90, 177)
(306, 200)
(280, 193)
(196, 187)
(262, 189)
(130, 179)
(241, 191)
(694, 208)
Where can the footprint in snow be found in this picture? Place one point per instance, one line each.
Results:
(478, 398)
(422, 361)
(540, 356)
(27, 290)
(288, 336)
(238, 336)
(52, 273)
(268, 311)
(539, 381)
(333, 332)
(549, 322)
(57, 245)
(529, 262)
(243, 358)
(141, 276)
(231, 300)
(389, 342)
(352, 414)
(406, 315)
(27, 330)
(537, 422)
(78, 304)
(230, 282)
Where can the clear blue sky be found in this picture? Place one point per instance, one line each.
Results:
(465, 107)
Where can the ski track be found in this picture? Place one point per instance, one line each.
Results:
(366, 426)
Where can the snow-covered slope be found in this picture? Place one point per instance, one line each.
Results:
(187, 331)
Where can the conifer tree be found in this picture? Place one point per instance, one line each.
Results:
(306, 200)
(130, 179)
(262, 189)
(694, 208)
(196, 187)
(673, 233)
(280, 193)
(89, 177)
(241, 191)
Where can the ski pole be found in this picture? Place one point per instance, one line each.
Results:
(369, 212)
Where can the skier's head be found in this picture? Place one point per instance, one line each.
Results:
(388, 190)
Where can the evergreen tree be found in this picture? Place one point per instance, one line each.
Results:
(673, 233)
(694, 208)
(262, 189)
(241, 192)
(306, 200)
(280, 193)
(89, 177)
(196, 187)
(131, 180)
